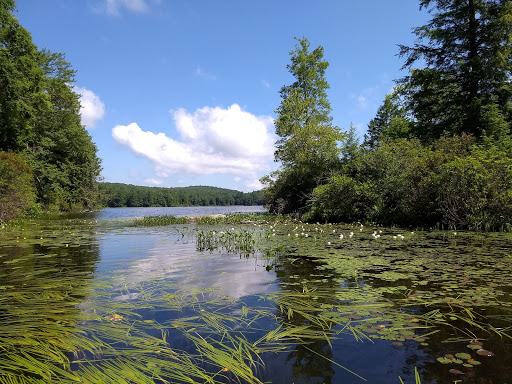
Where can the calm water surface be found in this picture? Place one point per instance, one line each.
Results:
(369, 306)
(129, 213)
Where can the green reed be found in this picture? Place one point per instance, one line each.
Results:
(233, 241)
(157, 221)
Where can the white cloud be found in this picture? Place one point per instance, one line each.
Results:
(153, 181)
(237, 179)
(113, 7)
(212, 141)
(203, 74)
(254, 185)
(92, 108)
(363, 102)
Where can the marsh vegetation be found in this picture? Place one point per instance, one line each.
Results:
(252, 302)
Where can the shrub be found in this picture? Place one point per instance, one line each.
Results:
(343, 199)
(17, 193)
(455, 182)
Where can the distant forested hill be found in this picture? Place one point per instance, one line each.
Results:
(127, 195)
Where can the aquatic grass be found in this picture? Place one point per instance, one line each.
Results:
(231, 241)
(242, 218)
(58, 318)
(417, 378)
(157, 221)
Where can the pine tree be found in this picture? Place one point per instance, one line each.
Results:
(465, 86)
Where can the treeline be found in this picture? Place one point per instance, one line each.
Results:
(47, 158)
(127, 195)
(439, 150)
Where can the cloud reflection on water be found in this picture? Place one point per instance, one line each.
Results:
(165, 254)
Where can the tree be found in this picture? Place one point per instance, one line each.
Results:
(40, 118)
(390, 123)
(465, 86)
(307, 145)
(20, 81)
(61, 151)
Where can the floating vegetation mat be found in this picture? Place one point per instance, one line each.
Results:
(85, 302)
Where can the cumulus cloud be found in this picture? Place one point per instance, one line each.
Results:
(153, 181)
(254, 185)
(92, 108)
(212, 141)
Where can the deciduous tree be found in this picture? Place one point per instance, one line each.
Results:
(307, 145)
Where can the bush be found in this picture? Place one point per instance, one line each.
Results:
(343, 199)
(476, 190)
(17, 193)
(455, 183)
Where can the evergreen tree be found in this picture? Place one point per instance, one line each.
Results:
(390, 123)
(465, 87)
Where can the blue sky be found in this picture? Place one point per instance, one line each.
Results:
(178, 93)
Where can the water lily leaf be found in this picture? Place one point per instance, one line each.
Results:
(484, 352)
(463, 356)
(474, 362)
(444, 360)
(473, 346)
(456, 372)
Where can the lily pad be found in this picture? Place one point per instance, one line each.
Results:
(484, 352)
(444, 360)
(456, 372)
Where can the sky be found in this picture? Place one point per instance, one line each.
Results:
(178, 93)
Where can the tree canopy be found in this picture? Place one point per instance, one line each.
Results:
(465, 85)
(40, 119)
(307, 144)
(127, 195)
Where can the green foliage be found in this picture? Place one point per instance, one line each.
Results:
(17, 195)
(157, 221)
(476, 190)
(307, 145)
(21, 76)
(342, 200)
(127, 195)
(390, 123)
(350, 145)
(465, 87)
(456, 182)
(40, 117)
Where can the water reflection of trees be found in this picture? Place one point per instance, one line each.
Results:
(311, 361)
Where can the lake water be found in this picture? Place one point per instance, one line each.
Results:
(92, 297)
